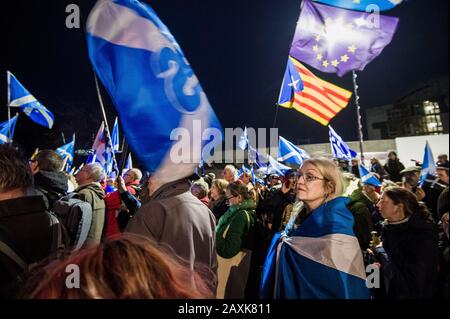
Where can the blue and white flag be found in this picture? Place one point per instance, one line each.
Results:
(91, 158)
(339, 148)
(363, 5)
(276, 167)
(255, 157)
(103, 150)
(319, 259)
(368, 177)
(289, 153)
(67, 152)
(162, 107)
(243, 140)
(428, 164)
(79, 168)
(18, 96)
(128, 164)
(115, 136)
(7, 128)
(292, 83)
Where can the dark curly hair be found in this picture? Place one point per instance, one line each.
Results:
(15, 172)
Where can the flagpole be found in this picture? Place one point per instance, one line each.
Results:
(276, 114)
(358, 114)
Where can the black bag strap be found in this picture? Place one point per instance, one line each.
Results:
(11, 254)
(57, 238)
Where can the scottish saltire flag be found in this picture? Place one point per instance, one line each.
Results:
(320, 259)
(255, 157)
(292, 83)
(243, 140)
(91, 158)
(335, 40)
(276, 167)
(103, 150)
(153, 87)
(368, 177)
(428, 164)
(79, 168)
(363, 5)
(7, 130)
(67, 152)
(18, 96)
(289, 153)
(339, 148)
(319, 99)
(115, 136)
(252, 171)
(129, 163)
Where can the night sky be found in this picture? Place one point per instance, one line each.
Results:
(238, 50)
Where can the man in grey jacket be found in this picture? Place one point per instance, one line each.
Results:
(91, 191)
(173, 216)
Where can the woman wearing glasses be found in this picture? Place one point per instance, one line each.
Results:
(318, 255)
(233, 241)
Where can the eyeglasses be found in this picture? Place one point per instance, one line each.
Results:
(310, 178)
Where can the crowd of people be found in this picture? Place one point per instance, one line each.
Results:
(289, 235)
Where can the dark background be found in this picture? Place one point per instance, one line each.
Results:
(238, 49)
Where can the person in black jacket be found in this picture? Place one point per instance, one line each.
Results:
(409, 253)
(26, 229)
(218, 202)
(393, 167)
(49, 180)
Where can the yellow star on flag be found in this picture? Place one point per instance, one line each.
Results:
(344, 58)
(319, 56)
(325, 63)
(318, 37)
(315, 48)
(352, 48)
(335, 63)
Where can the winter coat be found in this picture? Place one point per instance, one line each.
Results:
(218, 207)
(94, 194)
(51, 185)
(393, 168)
(409, 258)
(177, 218)
(361, 208)
(274, 207)
(237, 235)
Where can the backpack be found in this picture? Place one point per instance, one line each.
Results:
(76, 216)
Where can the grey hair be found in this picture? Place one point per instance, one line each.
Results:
(96, 172)
(231, 168)
(137, 173)
(200, 189)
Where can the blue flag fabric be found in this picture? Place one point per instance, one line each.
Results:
(335, 40)
(292, 83)
(129, 163)
(276, 167)
(103, 153)
(428, 164)
(18, 96)
(115, 136)
(153, 88)
(368, 177)
(243, 140)
(289, 153)
(363, 5)
(6, 128)
(320, 259)
(340, 149)
(259, 159)
(67, 151)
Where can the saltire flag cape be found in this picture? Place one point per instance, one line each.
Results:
(115, 136)
(340, 149)
(153, 88)
(335, 40)
(320, 259)
(368, 177)
(18, 96)
(289, 153)
(363, 5)
(67, 153)
(6, 128)
(319, 99)
(428, 164)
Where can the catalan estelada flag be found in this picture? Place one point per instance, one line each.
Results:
(319, 99)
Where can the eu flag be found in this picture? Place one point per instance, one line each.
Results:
(335, 40)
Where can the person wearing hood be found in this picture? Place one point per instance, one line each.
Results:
(408, 253)
(49, 179)
(90, 191)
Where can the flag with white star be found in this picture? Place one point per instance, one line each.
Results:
(335, 40)
(292, 83)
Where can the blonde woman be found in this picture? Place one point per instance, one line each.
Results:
(318, 255)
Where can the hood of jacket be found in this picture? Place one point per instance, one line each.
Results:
(56, 182)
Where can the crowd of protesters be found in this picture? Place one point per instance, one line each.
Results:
(216, 236)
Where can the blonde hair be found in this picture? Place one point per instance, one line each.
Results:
(221, 185)
(331, 173)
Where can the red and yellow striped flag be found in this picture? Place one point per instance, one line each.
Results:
(319, 100)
